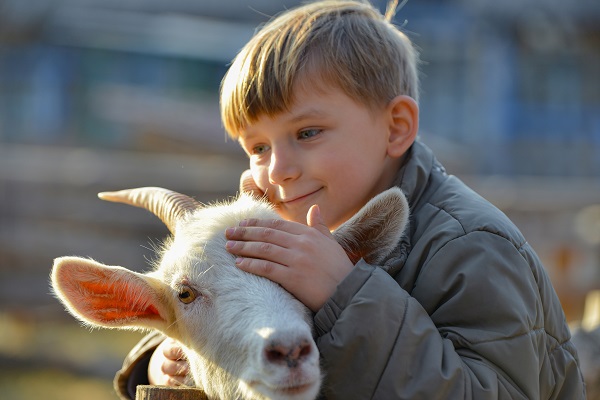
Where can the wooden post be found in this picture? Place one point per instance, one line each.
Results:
(151, 392)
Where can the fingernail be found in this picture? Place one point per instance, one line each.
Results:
(244, 222)
(229, 244)
(238, 260)
(229, 231)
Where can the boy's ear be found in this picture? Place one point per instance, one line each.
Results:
(403, 114)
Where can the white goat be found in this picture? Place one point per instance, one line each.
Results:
(244, 336)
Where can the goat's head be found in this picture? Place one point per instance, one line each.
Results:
(245, 336)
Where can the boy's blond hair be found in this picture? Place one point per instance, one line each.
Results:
(341, 44)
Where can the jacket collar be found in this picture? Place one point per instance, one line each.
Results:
(414, 178)
(415, 173)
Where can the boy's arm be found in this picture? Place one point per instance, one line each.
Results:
(155, 360)
(476, 331)
(135, 366)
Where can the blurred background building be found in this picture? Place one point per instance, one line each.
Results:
(104, 94)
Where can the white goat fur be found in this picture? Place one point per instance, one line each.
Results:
(235, 316)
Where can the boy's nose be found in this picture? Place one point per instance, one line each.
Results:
(283, 167)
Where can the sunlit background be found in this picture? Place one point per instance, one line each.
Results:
(107, 94)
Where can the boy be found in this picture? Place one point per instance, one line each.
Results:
(324, 102)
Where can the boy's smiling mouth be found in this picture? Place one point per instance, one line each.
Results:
(297, 199)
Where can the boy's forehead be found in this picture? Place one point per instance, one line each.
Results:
(312, 103)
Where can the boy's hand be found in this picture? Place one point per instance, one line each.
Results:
(168, 365)
(306, 260)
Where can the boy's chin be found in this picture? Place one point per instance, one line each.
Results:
(300, 216)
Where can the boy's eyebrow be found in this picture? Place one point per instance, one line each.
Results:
(307, 114)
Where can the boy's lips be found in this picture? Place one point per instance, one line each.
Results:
(297, 199)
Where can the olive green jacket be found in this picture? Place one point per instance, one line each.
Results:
(462, 309)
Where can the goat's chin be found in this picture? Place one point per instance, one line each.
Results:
(307, 391)
(260, 390)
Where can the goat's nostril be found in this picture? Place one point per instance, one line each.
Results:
(276, 354)
(289, 355)
(305, 350)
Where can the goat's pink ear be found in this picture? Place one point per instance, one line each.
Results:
(376, 229)
(112, 297)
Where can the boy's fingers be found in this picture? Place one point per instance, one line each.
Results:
(175, 381)
(262, 250)
(314, 219)
(277, 224)
(266, 269)
(175, 369)
(261, 235)
(173, 350)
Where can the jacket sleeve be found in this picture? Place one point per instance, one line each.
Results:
(471, 328)
(135, 366)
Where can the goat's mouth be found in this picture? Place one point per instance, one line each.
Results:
(306, 390)
(294, 390)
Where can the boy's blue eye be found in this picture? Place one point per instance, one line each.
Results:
(308, 133)
(260, 149)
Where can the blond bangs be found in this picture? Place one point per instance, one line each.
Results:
(341, 44)
(258, 82)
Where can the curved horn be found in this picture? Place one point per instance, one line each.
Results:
(166, 204)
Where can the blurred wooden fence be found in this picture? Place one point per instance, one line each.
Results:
(49, 208)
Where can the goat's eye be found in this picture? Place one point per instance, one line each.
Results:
(186, 294)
